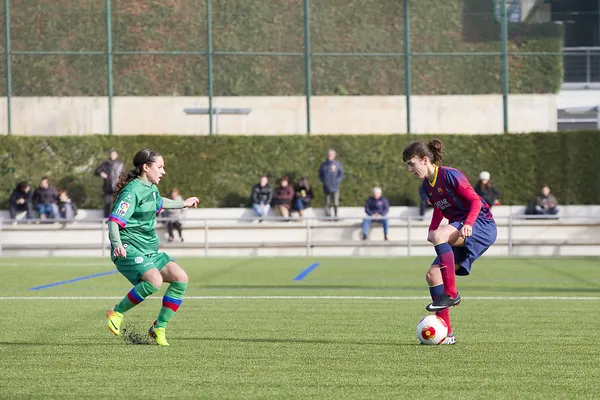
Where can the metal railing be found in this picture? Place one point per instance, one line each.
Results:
(582, 66)
(309, 225)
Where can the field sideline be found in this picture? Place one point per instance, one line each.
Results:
(303, 328)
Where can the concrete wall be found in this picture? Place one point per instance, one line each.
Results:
(280, 115)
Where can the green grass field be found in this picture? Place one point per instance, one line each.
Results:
(526, 329)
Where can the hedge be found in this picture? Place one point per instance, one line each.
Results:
(465, 27)
(222, 169)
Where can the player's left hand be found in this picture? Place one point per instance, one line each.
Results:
(191, 202)
(466, 231)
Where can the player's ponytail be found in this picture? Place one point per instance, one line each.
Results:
(141, 158)
(437, 150)
(434, 149)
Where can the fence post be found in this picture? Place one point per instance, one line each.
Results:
(308, 232)
(407, 77)
(307, 63)
(504, 46)
(103, 223)
(7, 54)
(209, 60)
(109, 64)
(510, 235)
(205, 237)
(408, 237)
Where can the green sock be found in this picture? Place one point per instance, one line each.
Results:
(171, 301)
(136, 296)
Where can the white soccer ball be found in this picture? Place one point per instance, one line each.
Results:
(432, 330)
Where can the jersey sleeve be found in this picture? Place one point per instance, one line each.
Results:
(459, 182)
(123, 208)
(159, 200)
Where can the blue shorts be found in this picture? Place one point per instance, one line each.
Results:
(484, 235)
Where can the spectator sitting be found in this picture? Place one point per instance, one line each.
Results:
(283, 197)
(261, 198)
(303, 196)
(20, 200)
(486, 189)
(67, 208)
(174, 217)
(546, 203)
(45, 198)
(377, 208)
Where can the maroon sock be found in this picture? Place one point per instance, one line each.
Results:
(446, 257)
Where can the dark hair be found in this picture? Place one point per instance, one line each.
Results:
(22, 185)
(141, 158)
(420, 148)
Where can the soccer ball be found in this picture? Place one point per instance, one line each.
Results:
(432, 330)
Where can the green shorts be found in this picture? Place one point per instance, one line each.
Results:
(136, 264)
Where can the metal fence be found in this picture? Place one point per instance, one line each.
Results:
(576, 234)
(227, 48)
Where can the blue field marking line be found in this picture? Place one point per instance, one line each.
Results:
(81, 278)
(307, 271)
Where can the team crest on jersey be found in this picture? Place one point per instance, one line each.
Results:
(139, 260)
(440, 190)
(122, 209)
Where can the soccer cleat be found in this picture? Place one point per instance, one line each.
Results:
(158, 334)
(450, 339)
(115, 319)
(443, 302)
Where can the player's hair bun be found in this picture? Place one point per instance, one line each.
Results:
(437, 149)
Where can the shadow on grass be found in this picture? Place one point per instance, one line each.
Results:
(299, 341)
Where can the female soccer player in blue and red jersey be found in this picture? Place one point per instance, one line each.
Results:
(470, 232)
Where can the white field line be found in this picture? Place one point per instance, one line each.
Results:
(383, 298)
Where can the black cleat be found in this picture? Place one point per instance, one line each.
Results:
(443, 302)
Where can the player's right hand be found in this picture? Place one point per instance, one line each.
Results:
(120, 252)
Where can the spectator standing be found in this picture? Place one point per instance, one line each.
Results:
(377, 208)
(45, 198)
(486, 189)
(303, 195)
(67, 209)
(110, 170)
(283, 197)
(331, 174)
(21, 200)
(174, 216)
(262, 195)
(546, 203)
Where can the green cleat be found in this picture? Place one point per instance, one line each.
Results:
(159, 335)
(115, 319)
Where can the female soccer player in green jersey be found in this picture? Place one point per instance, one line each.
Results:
(134, 243)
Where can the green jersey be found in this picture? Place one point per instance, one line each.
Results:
(135, 211)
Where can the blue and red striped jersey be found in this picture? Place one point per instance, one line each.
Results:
(453, 195)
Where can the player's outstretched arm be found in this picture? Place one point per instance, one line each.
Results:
(191, 202)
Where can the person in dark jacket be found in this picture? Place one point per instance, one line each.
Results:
(376, 208)
(261, 197)
(45, 198)
(110, 170)
(20, 200)
(331, 174)
(486, 189)
(283, 197)
(303, 195)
